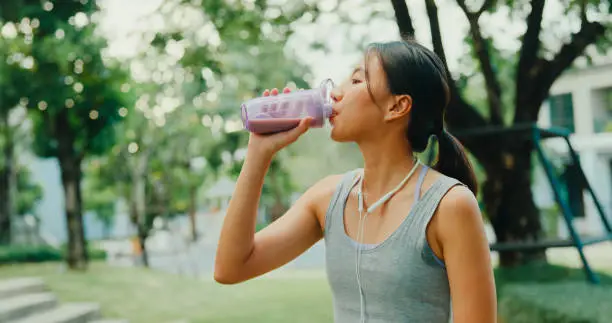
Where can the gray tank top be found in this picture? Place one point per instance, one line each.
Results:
(402, 279)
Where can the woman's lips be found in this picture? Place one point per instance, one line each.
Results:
(331, 118)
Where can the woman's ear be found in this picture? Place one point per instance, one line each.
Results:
(401, 108)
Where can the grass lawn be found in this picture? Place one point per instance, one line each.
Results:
(141, 295)
(544, 273)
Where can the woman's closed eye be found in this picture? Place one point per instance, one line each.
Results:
(356, 81)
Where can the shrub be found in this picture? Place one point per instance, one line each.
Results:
(567, 302)
(96, 253)
(32, 254)
(22, 254)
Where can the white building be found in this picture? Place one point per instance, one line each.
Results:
(581, 101)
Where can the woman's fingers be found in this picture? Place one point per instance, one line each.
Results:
(275, 91)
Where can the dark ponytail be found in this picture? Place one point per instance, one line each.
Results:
(453, 161)
(414, 70)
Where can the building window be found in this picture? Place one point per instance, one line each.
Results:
(602, 110)
(562, 111)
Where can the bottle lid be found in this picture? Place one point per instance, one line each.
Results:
(326, 92)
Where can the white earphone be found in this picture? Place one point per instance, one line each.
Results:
(361, 226)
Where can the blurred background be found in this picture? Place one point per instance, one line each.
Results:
(120, 143)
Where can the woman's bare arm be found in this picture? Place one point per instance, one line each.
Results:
(460, 230)
(243, 254)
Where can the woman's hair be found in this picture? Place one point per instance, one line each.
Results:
(414, 70)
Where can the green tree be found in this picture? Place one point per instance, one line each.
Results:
(11, 120)
(151, 167)
(507, 161)
(28, 194)
(244, 53)
(74, 96)
(180, 159)
(99, 194)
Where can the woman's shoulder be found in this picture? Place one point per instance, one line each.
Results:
(453, 189)
(457, 215)
(321, 193)
(458, 205)
(328, 185)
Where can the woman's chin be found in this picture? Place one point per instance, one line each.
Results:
(338, 136)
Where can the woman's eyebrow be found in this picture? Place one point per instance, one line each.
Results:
(357, 70)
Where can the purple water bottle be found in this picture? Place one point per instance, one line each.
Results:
(277, 113)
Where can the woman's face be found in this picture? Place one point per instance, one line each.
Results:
(355, 116)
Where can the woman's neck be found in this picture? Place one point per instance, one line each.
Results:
(386, 164)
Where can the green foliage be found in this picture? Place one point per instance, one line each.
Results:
(540, 273)
(30, 254)
(73, 94)
(88, 105)
(22, 254)
(244, 55)
(573, 302)
(99, 192)
(29, 193)
(11, 71)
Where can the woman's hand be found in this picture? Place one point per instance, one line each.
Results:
(269, 144)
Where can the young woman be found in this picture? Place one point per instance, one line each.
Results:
(402, 239)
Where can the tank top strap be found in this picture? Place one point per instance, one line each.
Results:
(419, 184)
(336, 204)
(427, 206)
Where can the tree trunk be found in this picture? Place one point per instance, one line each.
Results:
(139, 164)
(142, 237)
(404, 22)
(5, 195)
(71, 181)
(192, 212)
(509, 204)
(5, 216)
(6, 184)
(141, 251)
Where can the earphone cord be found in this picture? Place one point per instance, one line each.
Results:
(361, 229)
(360, 235)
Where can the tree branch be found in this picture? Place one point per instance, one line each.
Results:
(551, 70)
(471, 15)
(481, 47)
(583, 7)
(402, 17)
(485, 6)
(531, 44)
(460, 115)
(436, 34)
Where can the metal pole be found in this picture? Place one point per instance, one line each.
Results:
(566, 210)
